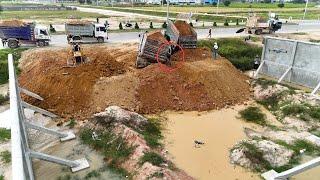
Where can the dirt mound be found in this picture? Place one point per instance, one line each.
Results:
(12, 23)
(67, 91)
(184, 28)
(197, 54)
(199, 85)
(79, 22)
(157, 36)
(111, 79)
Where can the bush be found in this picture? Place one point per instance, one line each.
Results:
(5, 135)
(164, 25)
(151, 25)
(72, 123)
(253, 114)
(281, 5)
(136, 26)
(226, 23)
(191, 24)
(151, 157)
(120, 26)
(237, 22)
(5, 157)
(227, 3)
(214, 23)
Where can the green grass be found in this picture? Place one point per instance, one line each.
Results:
(113, 147)
(239, 53)
(92, 174)
(5, 156)
(253, 114)
(49, 15)
(1, 177)
(314, 40)
(265, 83)
(5, 135)
(305, 111)
(272, 103)
(298, 145)
(3, 99)
(4, 74)
(152, 133)
(72, 123)
(153, 158)
(65, 177)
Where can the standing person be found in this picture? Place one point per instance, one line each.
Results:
(210, 32)
(3, 43)
(215, 50)
(97, 19)
(256, 62)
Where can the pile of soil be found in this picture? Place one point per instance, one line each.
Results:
(79, 22)
(12, 23)
(111, 79)
(184, 28)
(156, 36)
(67, 91)
(199, 85)
(197, 54)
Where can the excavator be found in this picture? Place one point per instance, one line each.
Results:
(77, 56)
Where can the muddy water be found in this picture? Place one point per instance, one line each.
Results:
(219, 130)
(72, 150)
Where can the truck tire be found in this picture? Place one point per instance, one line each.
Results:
(13, 44)
(100, 39)
(41, 43)
(258, 32)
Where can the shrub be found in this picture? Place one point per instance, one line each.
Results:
(191, 24)
(5, 135)
(151, 25)
(136, 26)
(92, 174)
(151, 157)
(120, 26)
(253, 114)
(237, 22)
(226, 23)
(214, 23)
(164, 25)
(281, 5)
(5, 156)
(227, 3)
(1, 177)
(72, 123)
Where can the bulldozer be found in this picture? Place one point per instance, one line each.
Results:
(77, 56)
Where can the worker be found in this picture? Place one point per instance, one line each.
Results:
(77, 53)
(215, 50)
(97, 19)
(210, 31)
(256, 62)
(3, 43)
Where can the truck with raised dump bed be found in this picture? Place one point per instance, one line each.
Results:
(80, 31)
(181, 33)
(151, 46)
(257, 25)
(15, 33)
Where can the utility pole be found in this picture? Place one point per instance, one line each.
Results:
(168, 2)
(218, 6)
(305, 9)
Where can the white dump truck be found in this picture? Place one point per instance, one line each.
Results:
(79, 31)
(257, 25)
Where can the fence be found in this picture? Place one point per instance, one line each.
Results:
(21, 153)
(292, 61)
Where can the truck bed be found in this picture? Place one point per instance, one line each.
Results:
(78, 29)
(18, 32)
(182, 33)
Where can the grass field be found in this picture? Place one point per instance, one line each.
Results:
(47, 15)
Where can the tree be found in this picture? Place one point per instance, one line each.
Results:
(267, 1)
(191, 24)
(89, 1)
(227, 3)
(237, 22)
(164, 25)
(215, 24)
(151, 25)
(226, 23)
(281, 5)
(120, 26)
(82, 1)
(298, 1)
(136, 26)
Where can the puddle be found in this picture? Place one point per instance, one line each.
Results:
(219, 130)
(72, 150)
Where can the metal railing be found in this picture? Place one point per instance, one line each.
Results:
(21, 153)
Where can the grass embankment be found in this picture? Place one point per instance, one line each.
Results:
(4, 74)
(253, 114)
(239, 53)
(49, 15)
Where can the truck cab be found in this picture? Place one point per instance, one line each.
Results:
(41, 34)
(100, 32)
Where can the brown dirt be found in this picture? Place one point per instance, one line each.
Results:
(111, 79)
(157, 36)
(12, 23)
(67, 91)
(183, 28)
(197, 54)
(79, 22)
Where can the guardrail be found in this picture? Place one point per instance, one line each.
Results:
(21, 153)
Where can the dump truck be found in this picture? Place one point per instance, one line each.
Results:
(257, 25)
(16, 33)
(151, 46)
(181, 33)
(77, 31)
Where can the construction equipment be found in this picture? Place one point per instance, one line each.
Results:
(15, 33)
(81, 30)
(257, 25)
(77, 56)
(153, 45)
(181, 33)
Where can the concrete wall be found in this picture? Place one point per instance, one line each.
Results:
(303, 57)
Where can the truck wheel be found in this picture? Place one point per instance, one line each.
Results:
(100, 39)
(41, 43)
(13, 44)
(258, 32)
